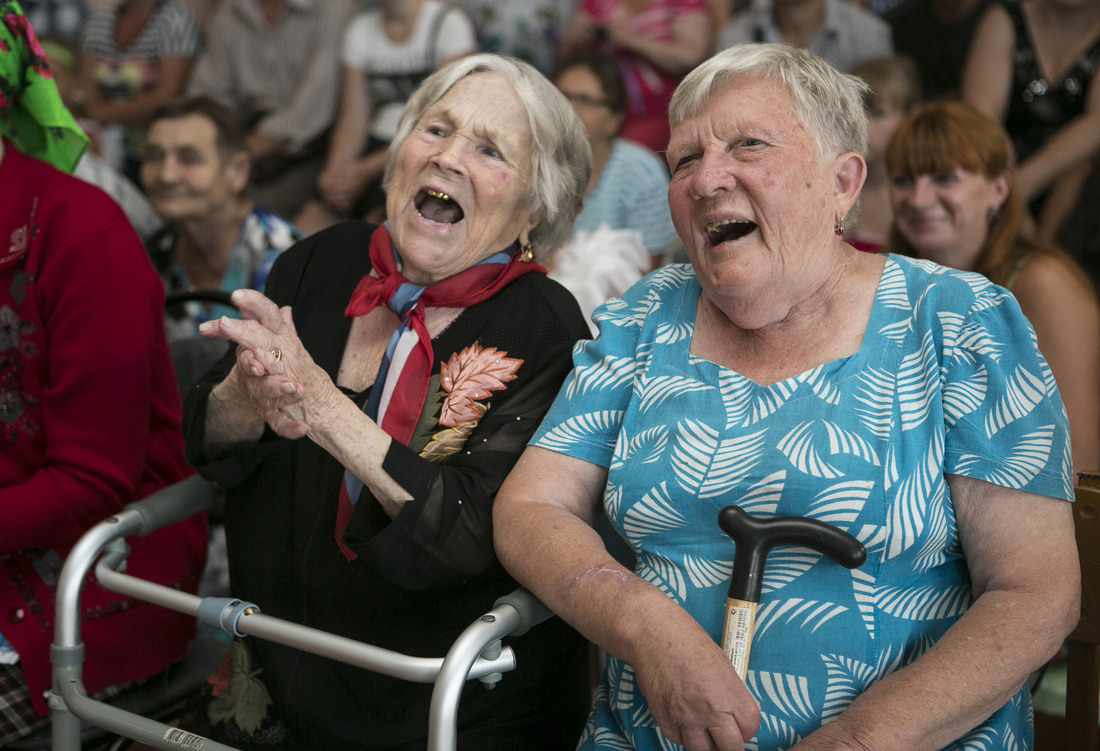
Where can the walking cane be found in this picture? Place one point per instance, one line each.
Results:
(755, 538)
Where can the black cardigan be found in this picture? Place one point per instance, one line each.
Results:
(421, 578)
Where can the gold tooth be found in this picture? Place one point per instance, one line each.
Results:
(721, 223)
(437, 194)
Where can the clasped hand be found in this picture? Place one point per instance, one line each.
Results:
(273, 370)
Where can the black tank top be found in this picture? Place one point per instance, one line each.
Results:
(1039, 108)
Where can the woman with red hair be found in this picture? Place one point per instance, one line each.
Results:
(956, 202)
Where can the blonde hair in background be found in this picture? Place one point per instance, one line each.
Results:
(893, 80)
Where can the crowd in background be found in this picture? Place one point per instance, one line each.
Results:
(318, 86)
(229, 129)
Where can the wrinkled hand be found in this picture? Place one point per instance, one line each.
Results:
(273, 367)
(694, 694)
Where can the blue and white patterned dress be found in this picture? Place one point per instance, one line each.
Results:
(948, 380)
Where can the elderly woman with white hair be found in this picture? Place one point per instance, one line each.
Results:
(788, 374)
(374, 404)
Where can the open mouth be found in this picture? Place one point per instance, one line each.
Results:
(437, 206)
(726, 230)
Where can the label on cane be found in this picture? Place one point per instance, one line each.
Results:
(737, 633)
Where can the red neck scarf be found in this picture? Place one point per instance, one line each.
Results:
(401, 385)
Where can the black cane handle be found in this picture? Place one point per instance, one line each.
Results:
(756, 537)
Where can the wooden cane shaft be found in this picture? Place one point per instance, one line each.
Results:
(737, 633)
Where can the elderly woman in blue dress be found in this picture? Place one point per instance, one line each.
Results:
(791, 375)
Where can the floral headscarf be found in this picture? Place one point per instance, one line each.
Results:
(32, 114)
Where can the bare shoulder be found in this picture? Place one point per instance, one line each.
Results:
(1052, 281)
(995, 20)
(994, 32)
(1058, 300)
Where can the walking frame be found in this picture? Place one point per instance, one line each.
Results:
(476, 653)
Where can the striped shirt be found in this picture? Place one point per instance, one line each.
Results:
(631, 193)
(55, 18)
(123, 72)
(284, 74)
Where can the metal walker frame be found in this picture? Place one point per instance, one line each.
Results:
(477, 653)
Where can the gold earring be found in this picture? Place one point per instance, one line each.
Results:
(525, 253)
(839, 228)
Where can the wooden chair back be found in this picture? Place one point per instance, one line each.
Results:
(1083, 667)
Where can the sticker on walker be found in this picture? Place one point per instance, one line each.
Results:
(183, 739)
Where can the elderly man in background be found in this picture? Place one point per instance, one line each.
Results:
(196, 172)
(277, 63)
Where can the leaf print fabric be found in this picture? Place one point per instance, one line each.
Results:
(948, 380)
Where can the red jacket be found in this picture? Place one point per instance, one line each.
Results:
(89, 421)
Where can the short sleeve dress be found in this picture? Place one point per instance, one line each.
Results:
(948, 380)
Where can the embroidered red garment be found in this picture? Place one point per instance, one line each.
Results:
(406, 381)
(89, 421)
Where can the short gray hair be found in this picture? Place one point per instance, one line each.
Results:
(828, 103)
(561, 158)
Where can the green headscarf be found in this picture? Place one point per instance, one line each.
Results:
(32, 114)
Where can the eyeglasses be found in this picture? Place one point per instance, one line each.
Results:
(584, 100)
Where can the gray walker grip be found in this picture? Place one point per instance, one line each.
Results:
(174, 503)
(530, 609)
